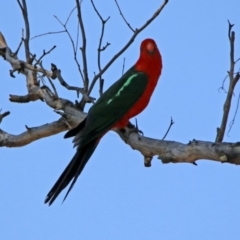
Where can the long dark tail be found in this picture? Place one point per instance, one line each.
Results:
(72, 171)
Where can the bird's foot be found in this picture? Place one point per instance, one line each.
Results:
(134, 128)
(131, 129)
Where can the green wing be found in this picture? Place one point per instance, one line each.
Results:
(107, 111)
(112, 106)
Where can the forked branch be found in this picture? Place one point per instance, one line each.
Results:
(233, 79)
(100, 48)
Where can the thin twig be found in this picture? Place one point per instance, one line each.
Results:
(233, 81)
(65, 24)
(50, 81)
(170, 125)
(83, 48)
(57, 73)
(3, 115)
(19, 46)
(137, 31)
(222, 87)
(237, 60)
(120, 11)
(100, 49)
(234, 117)
(23, 7)
(73, 47)
(76, 47)
(43, 34)
(43, 55)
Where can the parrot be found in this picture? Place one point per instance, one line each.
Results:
(122, 101)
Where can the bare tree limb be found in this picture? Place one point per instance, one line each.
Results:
(57, 73)
(120, 11)
(48, 33)
(32, 134)
(23, 7)
(137, 31)
(50, 81)
(43, 55)
(235, 114)
(3, 115)
(167, 151)
(73, 47)
(35, 92)
(56, 32)
(19, 46)
(70, 14)
(84, 46)
(100, 49)
(233, 78)
(19, 65)
(170, 125)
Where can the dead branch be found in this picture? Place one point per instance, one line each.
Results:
(84, 45)
(167, 151)
(57, 73)
(3, 115)
(233, 78)
(170, 125)
(49, 80)
(235, 114)
(100, 48)
(23, 7)
(48, 33)
(35, 92)
(73, 44)
(19, 46)
(56, 32)
(124, 19)
(43, 55)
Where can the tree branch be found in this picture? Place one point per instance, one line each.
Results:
(235, 114)
(35, 92)
(233, 81)
(23, 7)
(57, 73)
(3, 115)
(43, 55)
(73, 45)
(100, 49)
(48, 33)
(83, 48)
(167, 151)
(120, 11)
(170, 125)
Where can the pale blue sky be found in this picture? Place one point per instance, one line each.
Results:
(116, 197)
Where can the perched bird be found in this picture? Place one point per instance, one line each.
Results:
(125, 99)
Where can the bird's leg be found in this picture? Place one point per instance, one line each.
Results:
(135, 129)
